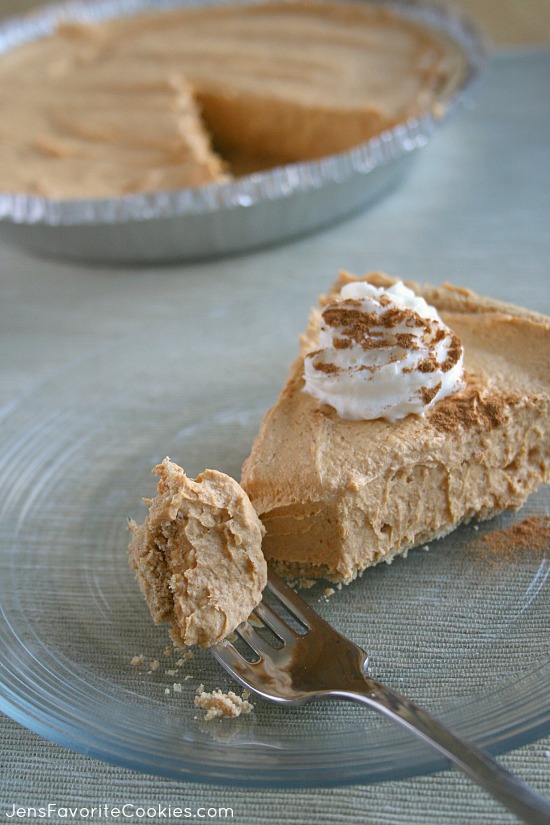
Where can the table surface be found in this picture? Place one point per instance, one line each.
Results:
(474, 210)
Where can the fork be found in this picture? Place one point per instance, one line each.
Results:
(293, 667)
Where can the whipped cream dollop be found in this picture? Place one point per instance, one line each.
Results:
(383, 353)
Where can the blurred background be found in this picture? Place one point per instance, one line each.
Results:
(506, 23)
(509, 23)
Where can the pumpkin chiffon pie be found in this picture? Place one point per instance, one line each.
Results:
(337, 494)
(187, 96)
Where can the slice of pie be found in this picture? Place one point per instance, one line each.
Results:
(338, 495)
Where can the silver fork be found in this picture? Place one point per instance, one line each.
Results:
(296, 667)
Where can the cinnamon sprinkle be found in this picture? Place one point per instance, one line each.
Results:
(361, 327)
(528, 537)
(341, 343)
(453, 354)
(429, 393)
(406, 340)
(395, 315)
(328, 368)
(468, 409)
(428, 364)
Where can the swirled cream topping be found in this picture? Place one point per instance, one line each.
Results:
(383, 353)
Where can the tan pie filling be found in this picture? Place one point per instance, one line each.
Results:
(337, 496)
(137, 104)
(197, 556)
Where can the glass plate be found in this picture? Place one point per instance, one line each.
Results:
(457, 629)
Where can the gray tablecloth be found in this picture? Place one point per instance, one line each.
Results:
(475, 210)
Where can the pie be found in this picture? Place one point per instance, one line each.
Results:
(197, 556)
(188, 96)
(338, 495)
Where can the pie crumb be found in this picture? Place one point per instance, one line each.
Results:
(301, 583)
(136, 661)
(217, 703)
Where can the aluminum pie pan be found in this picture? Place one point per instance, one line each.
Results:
(219, 219)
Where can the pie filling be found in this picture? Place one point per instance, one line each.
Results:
(190, 96)
(197, 556)
(339, 494)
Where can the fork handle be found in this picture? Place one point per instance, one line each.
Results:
(514, 794)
